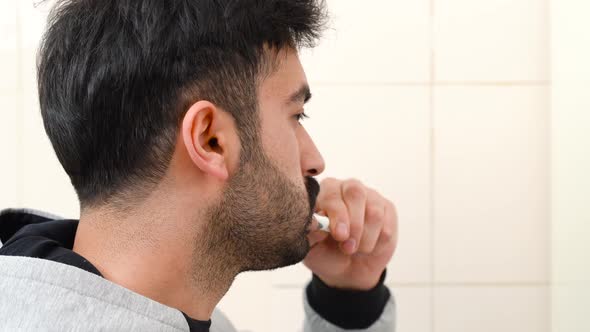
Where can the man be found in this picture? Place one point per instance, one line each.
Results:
(178, 123)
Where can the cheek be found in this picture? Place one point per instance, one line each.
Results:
(283, 148)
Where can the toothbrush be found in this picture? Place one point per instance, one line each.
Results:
(323, 222)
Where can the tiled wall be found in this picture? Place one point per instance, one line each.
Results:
(9, 97)
(29, 164)
(570, 183)
(442, 105)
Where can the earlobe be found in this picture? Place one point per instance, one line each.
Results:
(203, 139)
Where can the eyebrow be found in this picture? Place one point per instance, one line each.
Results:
(303, 94)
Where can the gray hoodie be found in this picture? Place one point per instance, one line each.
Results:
(43, 289)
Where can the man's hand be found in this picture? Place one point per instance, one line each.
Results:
(363, 226)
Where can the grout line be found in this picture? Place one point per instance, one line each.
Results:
(550, 204)
(550, 151)
(431, 101)
(19, 109)
(434, 82)
(431, 216)
(391, 83)
(430, 285)
(492, 83)
(473, 284)
(432, 12)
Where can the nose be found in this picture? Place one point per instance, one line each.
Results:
(312, 162)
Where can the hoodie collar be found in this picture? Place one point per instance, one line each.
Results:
(13, 220)
(37, 234)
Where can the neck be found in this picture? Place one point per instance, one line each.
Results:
(158, 256)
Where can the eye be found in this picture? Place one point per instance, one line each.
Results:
(301, 116)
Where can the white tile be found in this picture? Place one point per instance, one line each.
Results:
(8, 105)
(491, 309)
(500, 40)
(295, 275)
(570, 212)
(27, 71)
(9, 158)
(9, 77)
(373, 41)
(379, 135)
(46, 185)
(248, 302)
(413, 308)
(287, 314)
(491, 184)
(570, 42)
(570, 182)
(569, 306)
(32, 21)
(8, 25)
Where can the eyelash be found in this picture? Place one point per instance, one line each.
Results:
(301, 116)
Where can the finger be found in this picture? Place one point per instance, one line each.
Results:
(329, 188)
(355, 198)
(326, 258)
(337, 212)
(389, 234)
(330, 203)
(316, 237)
(374, 220)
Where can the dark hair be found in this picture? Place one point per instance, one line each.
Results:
(115, 78)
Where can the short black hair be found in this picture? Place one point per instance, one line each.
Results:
(115, 78)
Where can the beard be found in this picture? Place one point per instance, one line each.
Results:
(263, 218)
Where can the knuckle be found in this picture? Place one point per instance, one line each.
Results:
(354, 190)
(374, 213)
(369, 242)
(387, 232)
(331, 196)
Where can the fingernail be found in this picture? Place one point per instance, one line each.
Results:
(342, 229)
(350, 245)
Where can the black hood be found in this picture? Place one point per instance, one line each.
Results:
(36, 234)
(13, 221)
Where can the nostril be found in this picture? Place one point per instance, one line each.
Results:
(313, 171)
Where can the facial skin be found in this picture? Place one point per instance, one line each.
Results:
(263, 218)
(215, 214)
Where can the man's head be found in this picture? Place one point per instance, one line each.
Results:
(201, 95)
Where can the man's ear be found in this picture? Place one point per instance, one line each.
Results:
(205, 136)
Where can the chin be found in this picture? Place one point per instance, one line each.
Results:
(296, 256)
(288, 254)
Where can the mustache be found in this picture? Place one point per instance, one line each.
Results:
(313, 190)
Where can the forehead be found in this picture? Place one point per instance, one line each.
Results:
(286, 78)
